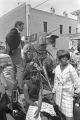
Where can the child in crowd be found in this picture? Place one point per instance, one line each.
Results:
(66, 83)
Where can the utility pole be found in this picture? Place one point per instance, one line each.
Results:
(28, 7)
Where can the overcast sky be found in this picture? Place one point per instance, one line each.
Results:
(59, 5)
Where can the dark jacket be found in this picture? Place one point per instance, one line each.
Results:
(13, 39)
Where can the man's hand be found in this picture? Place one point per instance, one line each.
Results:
(35, 104)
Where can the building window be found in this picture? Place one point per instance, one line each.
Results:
(76, 30)
(61, 29)
(45, 26)
(69, 29)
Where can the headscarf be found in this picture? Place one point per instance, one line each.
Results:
(63, 53)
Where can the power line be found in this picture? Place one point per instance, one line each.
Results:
(55, 29)
(41, 3)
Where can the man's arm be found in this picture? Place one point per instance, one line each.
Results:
(26, 94)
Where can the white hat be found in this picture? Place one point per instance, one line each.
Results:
(52, 36)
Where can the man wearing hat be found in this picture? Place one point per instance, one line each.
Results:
(13, 48)
(51, 45)
(45, 56)
(41, 48)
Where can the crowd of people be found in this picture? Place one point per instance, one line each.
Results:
(43, 78)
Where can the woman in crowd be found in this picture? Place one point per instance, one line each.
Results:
(65, 84)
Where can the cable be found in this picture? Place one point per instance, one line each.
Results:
(41, 3)
(55, 30)
(52, 31)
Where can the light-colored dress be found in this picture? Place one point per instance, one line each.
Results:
(64, 84)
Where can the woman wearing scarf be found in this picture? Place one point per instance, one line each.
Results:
(65, 84)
